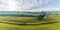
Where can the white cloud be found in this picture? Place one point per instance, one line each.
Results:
(30, 5)
(7, 4)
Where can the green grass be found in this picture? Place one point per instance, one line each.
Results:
(55, 26)
(30, 20)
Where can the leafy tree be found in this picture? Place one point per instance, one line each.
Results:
(42, 15)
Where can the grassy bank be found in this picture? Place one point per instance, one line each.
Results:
(51, 23)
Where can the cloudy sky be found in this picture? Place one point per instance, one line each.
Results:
(29, 5)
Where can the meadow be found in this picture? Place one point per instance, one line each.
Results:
(29, 23)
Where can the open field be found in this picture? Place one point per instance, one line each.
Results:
(11, 23)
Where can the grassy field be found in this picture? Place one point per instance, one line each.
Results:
(11, 23)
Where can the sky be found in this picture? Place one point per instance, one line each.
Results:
(30, 5)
